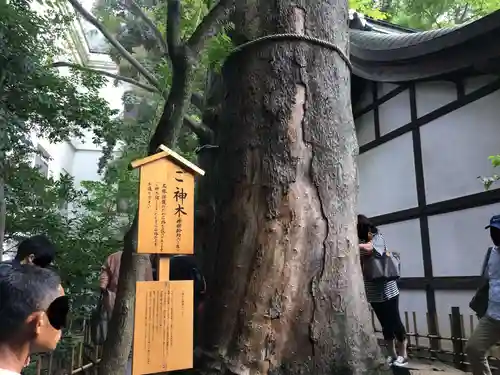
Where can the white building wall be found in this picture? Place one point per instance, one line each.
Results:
(61, 155)
(379, 169)
(395, 112)
(85, 163)
(455, 148)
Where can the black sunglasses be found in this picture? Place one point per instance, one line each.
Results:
(58, 312)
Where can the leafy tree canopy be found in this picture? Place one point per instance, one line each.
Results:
(35, 97)
(37, 100)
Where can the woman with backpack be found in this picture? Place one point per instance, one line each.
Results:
(383, 296)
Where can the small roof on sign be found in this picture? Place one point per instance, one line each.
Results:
(165, 152)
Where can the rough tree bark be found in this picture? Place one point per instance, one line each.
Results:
(205, 221)
(288, 296)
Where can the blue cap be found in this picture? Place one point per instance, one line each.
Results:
(494, 222)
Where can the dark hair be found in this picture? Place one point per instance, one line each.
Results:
(185, 267)
(365, 226)
(24, 289)
(40, 246)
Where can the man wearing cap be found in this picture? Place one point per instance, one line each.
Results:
(487, 332)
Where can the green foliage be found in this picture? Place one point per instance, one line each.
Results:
(488, 181)
(143, 110)
(34, 96)
(366, 7)
(431, 14)
(54, 207)
(426, 14)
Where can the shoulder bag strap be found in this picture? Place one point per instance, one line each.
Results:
(486, 260)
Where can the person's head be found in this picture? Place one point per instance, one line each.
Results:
(365, 227)
(185, 267)
(33, 310)
(37, 250)
(494, 228)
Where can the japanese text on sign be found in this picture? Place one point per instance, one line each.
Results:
(179, 195)
(166, 209)
(163, 331)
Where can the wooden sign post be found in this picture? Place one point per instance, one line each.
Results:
(163, 320)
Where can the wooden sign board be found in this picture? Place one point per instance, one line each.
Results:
(166, 204)
(163, 327)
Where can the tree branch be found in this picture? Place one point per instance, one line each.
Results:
(198, 101)
(204, 133)
(135, 9)
(172, 117)
(209, 25)
(183, 66)
(143, 86)
(201, 130)
(112, 40)
(173, 28)
(463, 15)
(124, 53)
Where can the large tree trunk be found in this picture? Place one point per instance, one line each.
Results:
(288, 296)
(206, 242)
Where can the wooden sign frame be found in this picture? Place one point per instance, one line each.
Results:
(166, 203)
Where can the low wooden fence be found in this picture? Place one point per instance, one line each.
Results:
(449, 348)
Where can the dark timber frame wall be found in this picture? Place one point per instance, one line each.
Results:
(429, 283)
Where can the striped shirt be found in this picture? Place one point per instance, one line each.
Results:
(380, 291)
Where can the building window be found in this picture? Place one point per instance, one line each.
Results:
(42, 160)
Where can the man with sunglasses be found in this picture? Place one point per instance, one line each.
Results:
(33, 310)
(37, 250)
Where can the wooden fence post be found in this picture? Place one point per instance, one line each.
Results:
(457, 336)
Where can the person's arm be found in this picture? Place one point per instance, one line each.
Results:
(105, 276)
(365, 248)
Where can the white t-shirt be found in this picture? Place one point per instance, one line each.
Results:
(7, 372)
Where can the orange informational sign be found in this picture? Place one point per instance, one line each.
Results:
(163, 327)
(166, 204)
(163, 321)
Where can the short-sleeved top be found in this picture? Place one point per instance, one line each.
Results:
(380, 291)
